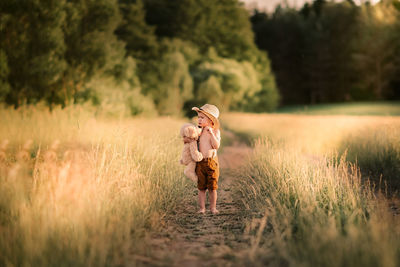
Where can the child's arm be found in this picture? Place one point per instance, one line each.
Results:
(194, 152)
(215, 137)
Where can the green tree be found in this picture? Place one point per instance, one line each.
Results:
(167, 79)
(32, 39)
(175, 84)
(329, 63)
(4, 86)
(282, 36)
(139, 37)
(377, 57)
(237, 80)
(121, 97)
(311, 50)
(210, 91)
(268, 97)
(395, 84)
(92, 46)
(223, 24)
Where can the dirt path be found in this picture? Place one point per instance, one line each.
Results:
(191, 239)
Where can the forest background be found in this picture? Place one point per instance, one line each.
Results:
(132, 57)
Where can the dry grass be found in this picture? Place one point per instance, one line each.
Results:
(76, 190)
(314, 207)
(372, 142)
(311, 134)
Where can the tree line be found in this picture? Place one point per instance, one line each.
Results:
(331, 52)
(133, 56)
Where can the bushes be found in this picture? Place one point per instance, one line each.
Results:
(52, 52)
(238, 85)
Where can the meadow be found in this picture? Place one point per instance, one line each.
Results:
(312, 185)
(80, 189)
(76, 190)
(384, 108)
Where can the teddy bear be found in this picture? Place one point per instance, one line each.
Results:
(190, 153)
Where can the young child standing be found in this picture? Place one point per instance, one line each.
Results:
(207, 170)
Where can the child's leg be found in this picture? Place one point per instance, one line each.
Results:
(213, 200)
(202, 200)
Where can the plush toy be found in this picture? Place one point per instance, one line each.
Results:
(190, 153)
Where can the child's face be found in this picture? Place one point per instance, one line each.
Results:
(203, 120)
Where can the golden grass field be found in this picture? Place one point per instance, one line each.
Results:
(83, 190)
(316, 207)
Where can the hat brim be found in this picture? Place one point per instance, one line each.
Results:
(211, 117)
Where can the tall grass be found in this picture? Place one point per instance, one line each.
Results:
(316, 213)
(370, 141)
(76, 190)
(376, 150)
(314, 208)
(310, 134)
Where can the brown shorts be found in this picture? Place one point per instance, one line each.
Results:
(208, 172)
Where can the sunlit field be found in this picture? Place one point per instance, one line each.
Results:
(362, 109)
(373, 142)
(80, 191)
(315, 206)
(83, 190)
(320, 134)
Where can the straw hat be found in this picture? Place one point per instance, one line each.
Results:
(211, 112)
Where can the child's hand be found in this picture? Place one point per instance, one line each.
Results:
(208, 129)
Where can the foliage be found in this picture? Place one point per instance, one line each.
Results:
(167, 79)
(119, 100)
(92, 47)
(4, 86)
(236, 79)
(240, 85)
(175, 84)
(268, 97)
(140, 40)
(332, 52)
(222, 24)
(56, 51)
(210, 91)
(188, 52)
(33, 42)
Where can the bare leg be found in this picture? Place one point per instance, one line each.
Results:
(202, 201)
(213, 201)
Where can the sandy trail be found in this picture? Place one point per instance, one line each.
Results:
(191, 239)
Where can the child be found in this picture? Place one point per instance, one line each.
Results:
(207, 170)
